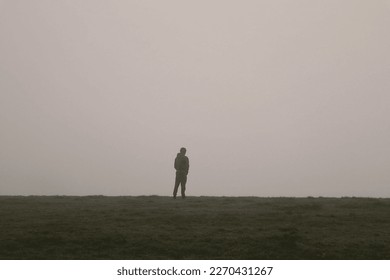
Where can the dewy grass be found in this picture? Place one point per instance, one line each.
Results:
(153, 227)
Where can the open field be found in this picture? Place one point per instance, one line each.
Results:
(155, 227)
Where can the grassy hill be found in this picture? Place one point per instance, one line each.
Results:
(155, 227)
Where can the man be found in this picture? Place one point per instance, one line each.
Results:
(182, 164)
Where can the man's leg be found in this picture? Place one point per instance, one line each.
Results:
(177, 183)
(183, 186)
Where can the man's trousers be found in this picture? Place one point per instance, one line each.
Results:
(181, 179)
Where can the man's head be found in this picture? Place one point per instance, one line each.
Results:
(183, 151)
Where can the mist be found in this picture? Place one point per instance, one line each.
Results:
(270, 98)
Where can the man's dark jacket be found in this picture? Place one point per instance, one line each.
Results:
(182, 164)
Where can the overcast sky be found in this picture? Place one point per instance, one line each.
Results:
(270, 98)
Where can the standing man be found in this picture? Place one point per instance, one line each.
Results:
(182, 164)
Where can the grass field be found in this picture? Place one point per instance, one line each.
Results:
(155, 227)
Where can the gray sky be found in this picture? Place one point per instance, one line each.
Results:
(271, 98)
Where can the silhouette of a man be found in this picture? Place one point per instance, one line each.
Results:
(182, 164)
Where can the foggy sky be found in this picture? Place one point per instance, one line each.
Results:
(270, 98)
